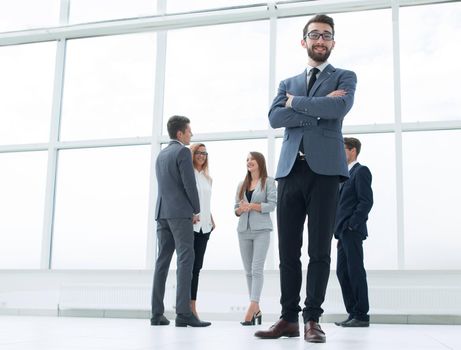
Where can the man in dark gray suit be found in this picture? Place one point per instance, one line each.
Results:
(355, 202)
(177, 210)
(311, 107)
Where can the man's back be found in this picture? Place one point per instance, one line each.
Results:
(177, 190)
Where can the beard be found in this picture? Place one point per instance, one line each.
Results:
(318, 57)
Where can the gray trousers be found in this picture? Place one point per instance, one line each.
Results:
(174, 234)
(253, 248)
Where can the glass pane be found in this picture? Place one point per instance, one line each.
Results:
(101, 208)
(223, 252)
(100, 10)
(429, 82)
(431, 199)
(28, 14)
(380, 248)
(109, 87)
(26, 87)
(185, 6)
(22, 200)
(356, 33)
(218, 76)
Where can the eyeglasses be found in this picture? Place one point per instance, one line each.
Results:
(198, 153)
(327, 36)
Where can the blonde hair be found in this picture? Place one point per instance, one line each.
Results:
(193, 148)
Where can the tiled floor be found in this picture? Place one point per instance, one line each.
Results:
(53, 333)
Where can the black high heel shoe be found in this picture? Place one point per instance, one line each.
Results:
(256, 319)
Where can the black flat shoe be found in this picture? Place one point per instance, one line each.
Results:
(344, 321)
(159, 320)
(356, 323)
(184, 320)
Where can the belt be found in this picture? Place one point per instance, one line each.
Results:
(301, 156)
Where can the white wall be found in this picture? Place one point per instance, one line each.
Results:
(395, 296)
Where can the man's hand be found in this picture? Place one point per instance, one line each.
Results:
(337, 93)
(289, 100)
(195, 219)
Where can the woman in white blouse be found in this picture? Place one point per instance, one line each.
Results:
(203, 228)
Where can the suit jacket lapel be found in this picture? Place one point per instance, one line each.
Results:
(354, 168)
(326, 74)
(301, 80)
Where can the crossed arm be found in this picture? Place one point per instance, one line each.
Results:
(289, 110)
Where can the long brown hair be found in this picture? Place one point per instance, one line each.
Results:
(193, 148)
(259, 158)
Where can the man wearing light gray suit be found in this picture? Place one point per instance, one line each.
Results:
(311, 107)
(177, 210)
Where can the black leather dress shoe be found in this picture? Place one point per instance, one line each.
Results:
(159, 320)
(184, 320)
(281, 328)
(344, 321)
(356, 323)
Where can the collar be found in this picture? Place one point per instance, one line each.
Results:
(175, 140)
(351, 165)
(320, 67)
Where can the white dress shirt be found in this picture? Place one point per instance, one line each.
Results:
(320, 67)
(204, 195)
(349, 166)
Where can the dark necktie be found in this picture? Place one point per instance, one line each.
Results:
(312, 79)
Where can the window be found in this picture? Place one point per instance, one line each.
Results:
(431, 199)
(28, 14)
(185, 6)
(109, 87)
(22, 188)
(82, 11)
(101, 208)
(26, 87)
(428, 56)
(218, 76)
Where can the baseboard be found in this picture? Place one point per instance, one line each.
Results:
(267, 317)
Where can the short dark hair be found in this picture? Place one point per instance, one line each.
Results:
(177, 123)
(352, 142)
(320, 19)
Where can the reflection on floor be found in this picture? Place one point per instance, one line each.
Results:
(53, 333)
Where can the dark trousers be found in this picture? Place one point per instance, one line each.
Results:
(302, 193)
(200, 243)
(173, 234)
(352, 276)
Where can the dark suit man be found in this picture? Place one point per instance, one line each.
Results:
(177, 210)
(311, 165)
(355, 202)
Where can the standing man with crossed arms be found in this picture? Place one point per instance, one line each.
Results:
(311, 107)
